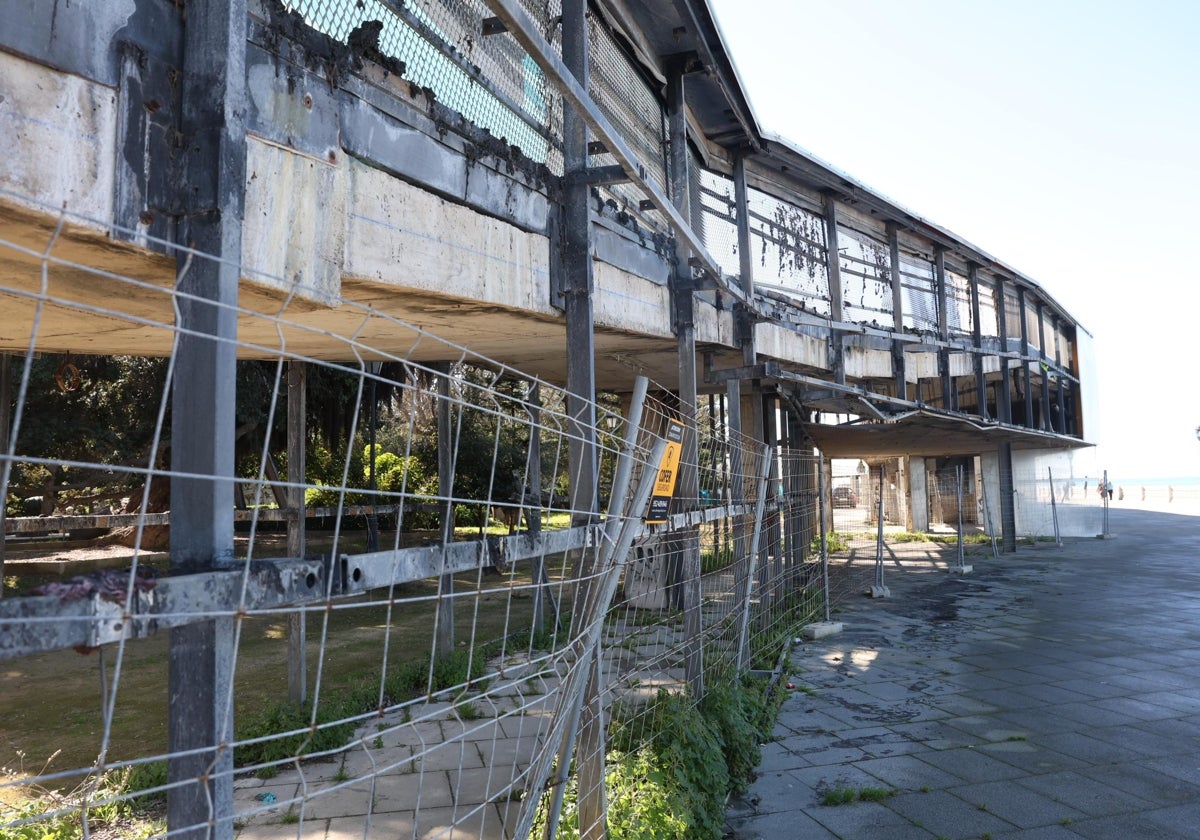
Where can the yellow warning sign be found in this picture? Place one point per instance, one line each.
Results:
(668, 472)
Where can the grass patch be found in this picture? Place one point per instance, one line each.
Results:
(114, 809)
(847, 795)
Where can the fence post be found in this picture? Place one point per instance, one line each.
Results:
(1054, 508)
(200, 668)
(824, 532)
(737, 489)
(296, 523)
(962, 568)
(445, 601)
(1104, 496)
(6, 467)
(533, 512)
(766, 459)
(588, 618)
(879, 590)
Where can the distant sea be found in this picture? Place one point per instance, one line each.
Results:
(1171, 481)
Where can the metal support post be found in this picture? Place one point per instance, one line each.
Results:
(981, 406)
(741, 199)
(824, 533)
(444, 631)
(688, 490)
(899, 376)
(5, 448)
(837, 360)
(577, 277)
(963, 568)
(939, 267)
(296, 452)
(1023, 303)
(533, 504)
(200, 668)
(1047, 422)
(1004, 395)
(880, 590)
(373, 369)
(1104, 496)
(1008, 510)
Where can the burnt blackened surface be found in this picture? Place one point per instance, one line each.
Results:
(149, 144)
(291, 105)
(85, 38)
(287, 34)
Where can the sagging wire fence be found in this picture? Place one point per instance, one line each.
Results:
(446, 627)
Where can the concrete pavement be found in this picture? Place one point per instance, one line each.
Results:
(1051, 695)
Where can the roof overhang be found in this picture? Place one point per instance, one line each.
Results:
(927, 433)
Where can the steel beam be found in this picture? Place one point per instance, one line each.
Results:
(898, 361)
(1047, 422)
(939, 267)
(688, 487)
(1004, 395)
(977, 335)
(560, 73)
(837, 362)
(1022, 304)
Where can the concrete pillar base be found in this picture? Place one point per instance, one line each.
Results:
(821, 629)
(880, 592)
(962, 570)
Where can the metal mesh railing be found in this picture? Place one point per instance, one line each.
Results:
(788, 242)
(488, 79)
(866, 278)
(919, 285)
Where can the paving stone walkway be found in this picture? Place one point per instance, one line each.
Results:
(1050, 695)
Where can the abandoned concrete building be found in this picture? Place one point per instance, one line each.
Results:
(575, 189)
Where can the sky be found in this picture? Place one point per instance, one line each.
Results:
(1060, 136)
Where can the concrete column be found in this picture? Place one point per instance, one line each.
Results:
(918, 494)
(212, 195)
(1008, 509)
(989, 469)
